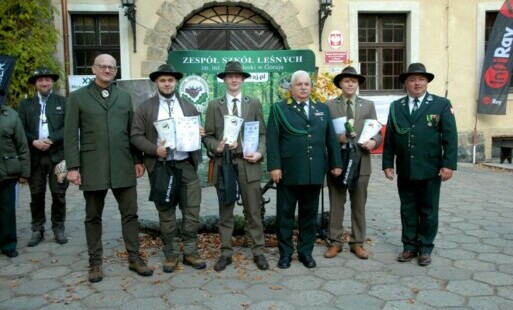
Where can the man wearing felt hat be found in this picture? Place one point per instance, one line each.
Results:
(421, 143)
(42, 117)
(249, 164)
(164, 105)
(354, 107)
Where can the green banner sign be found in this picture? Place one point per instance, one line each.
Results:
(253, 61)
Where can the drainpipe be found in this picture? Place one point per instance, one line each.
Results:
(65, 42)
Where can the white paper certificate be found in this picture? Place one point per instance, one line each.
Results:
(232, 125)
(166, 131)
(250, 143)
(187, 133)
(338, 123)
(370, 128)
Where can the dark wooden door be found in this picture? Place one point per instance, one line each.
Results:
(236, 37)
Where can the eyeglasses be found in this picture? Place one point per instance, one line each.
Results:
(104, 67)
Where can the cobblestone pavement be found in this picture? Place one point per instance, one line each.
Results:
(472, 262)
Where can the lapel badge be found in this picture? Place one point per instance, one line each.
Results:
(59, 108)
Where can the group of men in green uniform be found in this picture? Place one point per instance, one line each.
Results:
(107, 145)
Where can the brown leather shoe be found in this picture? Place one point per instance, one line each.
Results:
(95, 274)
(424, 259)
(139, 266)
(332, 251)
(359, 251)
(170, 264)
(406, 256)
(195, 261)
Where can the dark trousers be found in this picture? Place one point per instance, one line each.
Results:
(419, 213)
(190, 200)
(41, 173)
(127, 204)
(8, 237)
(307, 199)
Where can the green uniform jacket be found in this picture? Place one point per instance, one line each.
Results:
(14, 151)
(302, 157)
(214, 128)
(364, 110)
(29, 112)
(144, 135)
(97, 138)
(424, 144)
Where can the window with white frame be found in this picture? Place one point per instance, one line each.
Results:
(382, 40)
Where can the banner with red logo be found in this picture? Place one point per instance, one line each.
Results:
(498, 64)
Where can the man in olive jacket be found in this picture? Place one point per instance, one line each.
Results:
(167, 104)
(99, 157)
(354, 107)
(42, 117)
(249, 165)
(14, 167)
(301, 147)
(422, 139)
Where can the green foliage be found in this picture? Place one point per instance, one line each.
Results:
(27, 32)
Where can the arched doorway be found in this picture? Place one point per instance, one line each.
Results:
(227, 28)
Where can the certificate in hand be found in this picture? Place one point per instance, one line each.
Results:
(338, 123)
(371, 127)
(187, 134)
(250, 143)
(232, 125)
(166, 131)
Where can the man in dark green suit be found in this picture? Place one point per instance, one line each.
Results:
(99, 157)
(301, 147)
(42, 117)
(249, 164)
(422, 139)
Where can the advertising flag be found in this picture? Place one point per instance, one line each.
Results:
(6, 68)
(497, 64)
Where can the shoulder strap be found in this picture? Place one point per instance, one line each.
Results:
(280, 119)
(401, 131)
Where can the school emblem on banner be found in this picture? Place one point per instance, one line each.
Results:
(194, 89)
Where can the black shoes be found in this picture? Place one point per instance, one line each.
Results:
(60, 237)
(10, 253)
(261, 262)
(307, 260)
(222, 262)
(37, 237)
(284, 262)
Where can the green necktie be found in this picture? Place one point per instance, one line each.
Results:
(349, 110)
(415, 106)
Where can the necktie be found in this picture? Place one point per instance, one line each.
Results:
(349, 110)
(43, 128)
(169, 102)
(235, 110)
(415, 106)
(302, 107)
